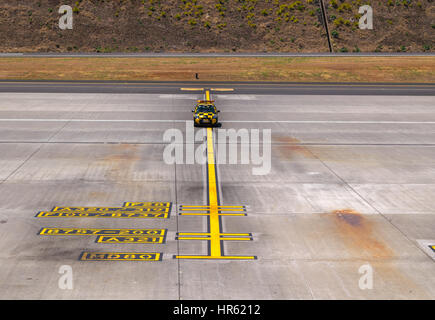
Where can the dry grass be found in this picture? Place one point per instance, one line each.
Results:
(307, 69)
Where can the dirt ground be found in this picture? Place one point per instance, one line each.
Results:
(310, 69)
(215, 26)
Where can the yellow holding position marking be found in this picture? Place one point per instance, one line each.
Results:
(222, 89)
(191, 89)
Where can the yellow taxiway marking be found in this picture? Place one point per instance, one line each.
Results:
(148, 204)
(202, 89)
(206, 207)
(209, 238)
(218, 257)
(121, 256)
(113, 214)
(215, 244)
(106, 232)
(128, 210)
(207, 214)
(222, 89)
(214, 236)
(129, 239)
(208, 233)
(113, 209)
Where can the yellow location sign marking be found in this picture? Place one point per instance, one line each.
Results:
(128, 210)
(214, 236)
(148, 204)
(108, 209)
(121, 256)
(432, 247)
(78, 214)
(101, 232)
(130, 239)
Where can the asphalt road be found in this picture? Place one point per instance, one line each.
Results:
(263, 88)
(351, 185)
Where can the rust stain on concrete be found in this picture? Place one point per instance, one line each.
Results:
(290, 147)
(97, 195)
(120, 160)
(358, 233)
(361, 237)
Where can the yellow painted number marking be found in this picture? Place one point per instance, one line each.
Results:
(115, 232)
(121, 256)
(129, 239)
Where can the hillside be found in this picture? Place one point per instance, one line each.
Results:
(215, 26)
(403, 25)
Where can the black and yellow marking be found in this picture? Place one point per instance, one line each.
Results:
(128, 210)
(213, 211)
(191, 89)
(121, 256)
(212, 89)
(207, 236)
(130, 239)
(432, 247)
(101, 232)
(111, 209)
(222, 89)
(115, 214)
(149, 204)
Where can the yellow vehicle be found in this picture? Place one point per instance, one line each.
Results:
(205, 114)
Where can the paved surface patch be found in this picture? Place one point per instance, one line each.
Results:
(352, 184)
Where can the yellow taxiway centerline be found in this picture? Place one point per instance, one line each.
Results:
(218, 257)
(214, 234)
(215, 244)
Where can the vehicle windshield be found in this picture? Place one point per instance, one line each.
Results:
(203, 108)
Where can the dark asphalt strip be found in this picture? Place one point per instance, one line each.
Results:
(239, 88)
